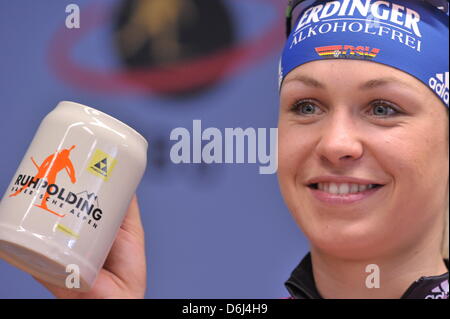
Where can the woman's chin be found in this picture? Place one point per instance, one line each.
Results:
(347, 244)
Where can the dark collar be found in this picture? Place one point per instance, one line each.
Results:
(301, 284)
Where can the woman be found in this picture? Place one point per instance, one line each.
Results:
(363, 155)
(363, 151)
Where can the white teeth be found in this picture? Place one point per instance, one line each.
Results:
(343, 188)
(333, 188)
(362, 188)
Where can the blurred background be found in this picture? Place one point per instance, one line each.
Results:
(212, 231)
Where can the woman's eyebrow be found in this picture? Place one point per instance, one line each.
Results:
(306, 80)
(371, 84)
(376, 83)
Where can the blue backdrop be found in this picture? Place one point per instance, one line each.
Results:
(212, 231)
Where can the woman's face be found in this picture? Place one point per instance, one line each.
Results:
(363, 157)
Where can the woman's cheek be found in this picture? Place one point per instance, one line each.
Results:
(292, 149)
(408, 159)
(417, 157)
(290, 159)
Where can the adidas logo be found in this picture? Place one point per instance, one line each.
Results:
(440, 85)
(440, 292)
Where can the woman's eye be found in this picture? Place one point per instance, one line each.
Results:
(306, 108)
(383, 109)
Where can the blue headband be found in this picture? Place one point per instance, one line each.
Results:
(411, 36)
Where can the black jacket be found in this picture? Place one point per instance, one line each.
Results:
(301, 284)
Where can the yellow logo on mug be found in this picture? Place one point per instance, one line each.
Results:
(101, 164)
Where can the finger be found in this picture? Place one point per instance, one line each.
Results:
(132, 222)
(126, 259)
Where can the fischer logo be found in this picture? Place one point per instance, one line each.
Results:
(440, 292)
(440, 85)
(101, 165)
(82, 205)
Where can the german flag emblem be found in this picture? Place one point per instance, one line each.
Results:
(347, 51)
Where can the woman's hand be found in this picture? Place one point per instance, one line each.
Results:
(124, 272)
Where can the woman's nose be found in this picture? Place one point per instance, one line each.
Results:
(339, 143)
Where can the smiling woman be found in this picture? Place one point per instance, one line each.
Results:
(363, 162)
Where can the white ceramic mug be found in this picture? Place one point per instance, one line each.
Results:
(70, 194)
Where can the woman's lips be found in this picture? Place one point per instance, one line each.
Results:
(339, 199)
